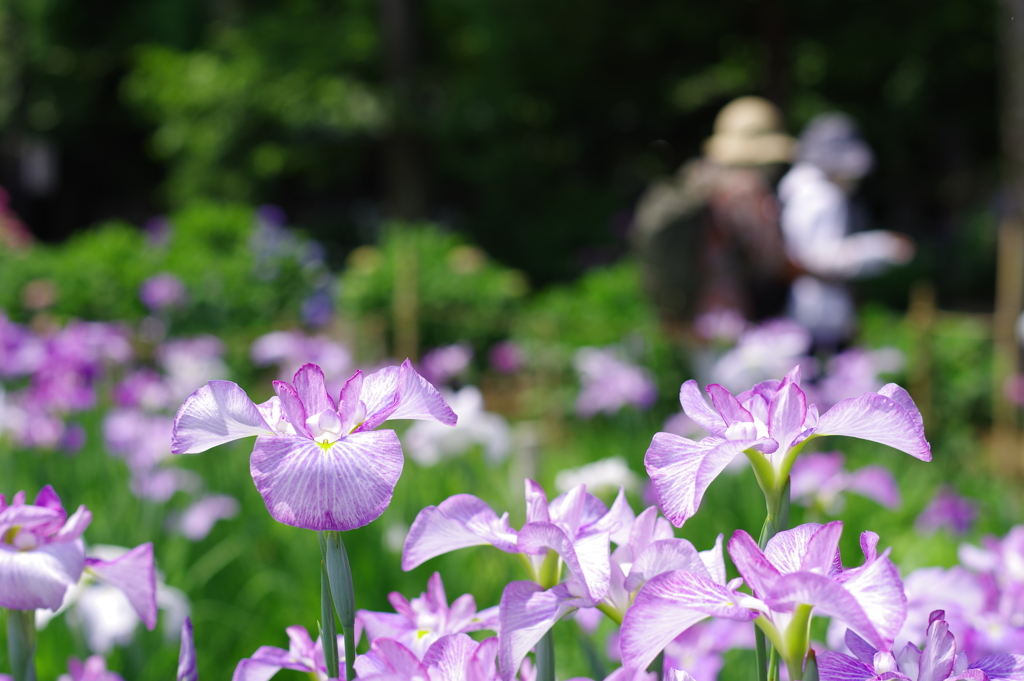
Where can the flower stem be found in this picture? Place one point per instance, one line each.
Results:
(21, 643)
(339, 572)
(545, 657)
(329, 632)
(776, 521)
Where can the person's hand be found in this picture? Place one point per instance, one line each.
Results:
(903, 249)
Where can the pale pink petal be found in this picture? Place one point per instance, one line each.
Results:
(668, 605)
(536, 503)
(567, 509)
(341, 487)
(586, 558)
(74, 527)
(397, 659)
(938, 653)
(879, 591)
(527, 613)
(382, 624)
(811, 547)
(459, 521)
(309, 384)
(351, 399)
(39, 578)
(665, 556)
(877, 418)
(253, 670)
(682, 470)
(134, 574)
(401, 393)
(697, 408)
(903, 398)
(218, 412)
(714, 561)
(617, 522)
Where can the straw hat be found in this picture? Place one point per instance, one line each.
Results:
(748, 131)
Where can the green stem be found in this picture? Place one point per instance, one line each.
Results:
(545, 657)
(776, 521)
(21, 643)
(339, 573)
(328, 628)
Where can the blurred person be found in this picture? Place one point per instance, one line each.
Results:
(815, 194)
(708, 238)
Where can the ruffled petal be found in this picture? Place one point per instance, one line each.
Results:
(218, 412)
(810, 547)
(617, 522)
(449, 657)
(728, 406)
(878, 418)
(291, 405)
(527, 613)
(682, 470)
(714, 561)
(697, 408)
(757, 571)
(38, 578)
(586, 558)
(786, 414)
(401, 393)
(341, 487)
(459, 521)
(665, 556)
(133, 573)
(938, 654)
(309, 384)
(668, 605)
(879, 591)
(536, 502)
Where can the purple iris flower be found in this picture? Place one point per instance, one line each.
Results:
(318, 465)
(199, 518)
(441, 365)
(455, 657)
(609, 383)
(798, 573)
(302, 655)
(42, 555)
(93, 669)
(187, 654)
(574, 530)
(41, 550)
(416, 624)
(947, 510)
(855, 372)
(819, 480)
(937, 661)
(162, 291)
(763, 352)
(769, 423)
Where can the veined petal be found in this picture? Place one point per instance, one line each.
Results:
(786, 414)
(668, 605)
(449, 657)
(903, 398)
(617, 521)
(536, 502)
(567, 509)
(586, 558)
(254, 670)
(218, 412)
(133, 573)
(38, 578)
(1002, 666)
(401, 393)
(382, 624)
(728, 406)
(459, 521)
(351, 399)
(682, 470)
(839, 667)
(879, 591)
(714, 561)
(397, 659)
(809, 547)
(697, 408)
(754, 566)
(877, 418)
(341, 487)
(291, 404)
(527, 612)
(74, 527)
(938, 654)
(309, 384)
(665, 556)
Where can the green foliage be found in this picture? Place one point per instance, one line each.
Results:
(212, 248)
(460, 295)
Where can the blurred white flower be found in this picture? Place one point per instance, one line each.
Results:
(427, 442)
(605, 474)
